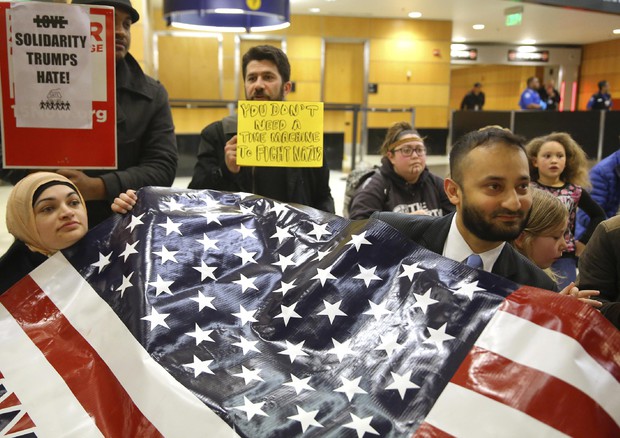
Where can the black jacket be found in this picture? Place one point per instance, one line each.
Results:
(16, 263)
(432, 232)
(307, 186)
(145, 140)
(387, 191)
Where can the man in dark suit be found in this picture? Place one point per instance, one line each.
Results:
(489, 185)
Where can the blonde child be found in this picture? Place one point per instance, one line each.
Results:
(542, 240)
(558, 165)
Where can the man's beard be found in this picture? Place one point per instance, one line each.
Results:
(475, 222)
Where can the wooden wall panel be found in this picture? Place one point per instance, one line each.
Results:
(190, 77)
(344, 73)
(599, 61)
(191, 121)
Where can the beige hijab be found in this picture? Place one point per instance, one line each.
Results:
(19, 211)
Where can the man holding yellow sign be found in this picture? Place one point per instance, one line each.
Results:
(271, 148)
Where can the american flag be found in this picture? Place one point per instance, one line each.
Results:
(204, 313)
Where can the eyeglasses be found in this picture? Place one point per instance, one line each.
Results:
(407, 151)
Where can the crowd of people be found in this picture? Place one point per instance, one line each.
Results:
(539, 97)
(506, 207)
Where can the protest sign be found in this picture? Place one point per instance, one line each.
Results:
(57, 86)
(280, 134)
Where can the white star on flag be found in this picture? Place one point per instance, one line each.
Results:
(245, 315)
(135, 221)
(361, 425)
(126, 284)
(423, 301)
(367, 275)
(282, 234)
(166, 255)
(247, 210)
(278, 208)
(249, 375)
(201, 335)
(332, 310)
(199, 366)
(171, 227)
(204, 301)
(207, 243)
(161, 286)
(246, 345)
(156, 318)
(285, 287)
(350, 387)
(210, 203)
(205, 271)
(388, 343)
(211, 217)
(358, 240)
(293, 350)
(246, 232)
(287, 313)
(323, 275)
(246, 257)
(377, 310)
(251, 409)
(284, 261)
(129, 250)
(402, 383)
(245, 283)
(174, 205)
(468, 289)
(320, 255)
(299, 384)
(305, 418)
(341, 349)
(243, 195)
(410, 270)
(102, 262)
(438, 336)
(319, 230)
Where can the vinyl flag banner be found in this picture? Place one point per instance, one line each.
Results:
(204, 313)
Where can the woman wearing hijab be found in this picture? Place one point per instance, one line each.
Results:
(45, 213)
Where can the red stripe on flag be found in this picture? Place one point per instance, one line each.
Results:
(427, 431)
(86, 374)
(494, 376)
(551, 312)
(24, 423)
(10, 401)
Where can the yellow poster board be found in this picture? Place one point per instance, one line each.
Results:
(280, 134)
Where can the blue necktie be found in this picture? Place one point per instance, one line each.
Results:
(474, 261)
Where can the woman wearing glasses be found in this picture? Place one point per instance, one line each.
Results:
(402, 183)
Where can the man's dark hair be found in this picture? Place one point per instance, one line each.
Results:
(530, 80)
(269, 53)
(477, 84)
(483, 137)
(602, 84)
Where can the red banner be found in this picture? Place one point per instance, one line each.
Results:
(29, 139)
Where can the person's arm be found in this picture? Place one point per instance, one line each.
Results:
(368, 198)
(157, 152)
(321, 192)
(463, 102)
(592, 209)
(597, 266)
(591, 102)
(482, 100)
(210, 170)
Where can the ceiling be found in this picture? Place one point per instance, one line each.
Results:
(545, 24)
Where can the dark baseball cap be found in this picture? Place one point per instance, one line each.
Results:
(121, 4)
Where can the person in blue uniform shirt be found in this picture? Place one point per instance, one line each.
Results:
(530, 99)
(602, 99)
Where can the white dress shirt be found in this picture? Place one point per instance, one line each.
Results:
(457, 249)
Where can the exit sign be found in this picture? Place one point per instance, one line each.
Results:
(514, 16)
(514, 19)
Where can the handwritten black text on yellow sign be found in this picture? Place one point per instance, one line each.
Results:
(283, 134)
